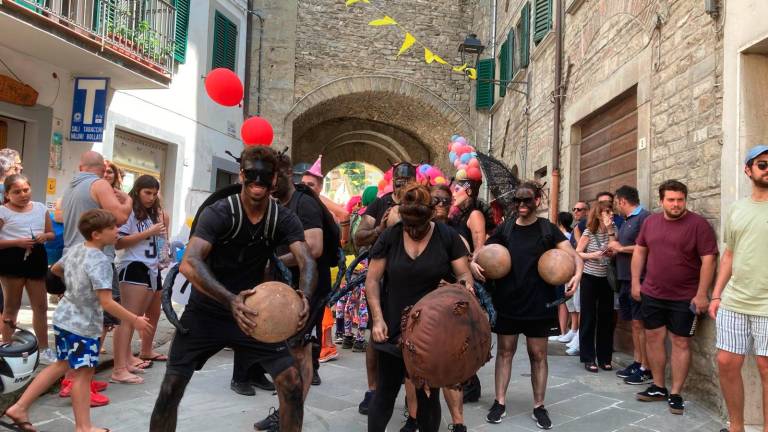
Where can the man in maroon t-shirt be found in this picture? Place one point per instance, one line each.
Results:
(677, 249)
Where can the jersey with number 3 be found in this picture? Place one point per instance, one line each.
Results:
(144, 251)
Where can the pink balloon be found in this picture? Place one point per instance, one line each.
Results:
(461, 139)
(457, 163)
(474, 173)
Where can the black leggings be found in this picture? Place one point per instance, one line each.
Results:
(390, 377)
(596, 322)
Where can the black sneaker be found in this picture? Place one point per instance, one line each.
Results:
(629, 370)
(676, 404)
(496, 413)
(242, 388)
(653, 393)
(363, 407)
(457, 428)
(270, 423)
(640, 377)
(360, 346)
(541, 416)
(316, 381)
(263, 383)
(348, 342)
(410, 425)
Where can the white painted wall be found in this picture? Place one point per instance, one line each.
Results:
(194, 127)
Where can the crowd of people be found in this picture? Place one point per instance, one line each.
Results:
(653, 270)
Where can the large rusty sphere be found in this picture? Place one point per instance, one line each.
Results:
(556, 267)
(495, 260)
(446, 337)
(279, 307)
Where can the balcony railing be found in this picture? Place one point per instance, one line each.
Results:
(142, 30)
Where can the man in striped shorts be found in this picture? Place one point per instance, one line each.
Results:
(740, 299)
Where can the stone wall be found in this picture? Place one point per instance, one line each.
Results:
(671, 52)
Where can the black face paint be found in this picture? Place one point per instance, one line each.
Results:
(258, 172)
(417, 232)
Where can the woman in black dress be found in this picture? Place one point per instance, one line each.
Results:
(408, 261)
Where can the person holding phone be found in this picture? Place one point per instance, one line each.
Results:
(596, 292)
(677, 249)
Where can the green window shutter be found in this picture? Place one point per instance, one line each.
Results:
(182, 30)
(511, 64)
(503, 69)
(542, 20)
(524, 32)
(484, 85)
(224, 43)
(109, 9)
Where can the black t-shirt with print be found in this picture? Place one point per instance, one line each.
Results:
(310, 214)
(379, 206)
(523, 294)
(406, 279)
(239, 263)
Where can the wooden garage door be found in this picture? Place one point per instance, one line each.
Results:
(609, 147)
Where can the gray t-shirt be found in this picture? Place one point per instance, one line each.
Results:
(86, 270)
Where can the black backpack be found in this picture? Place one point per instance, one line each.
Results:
(331, 232)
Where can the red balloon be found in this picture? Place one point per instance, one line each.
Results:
(474, 173)
(224, 87)
(473, 163)
(461, 150)
(257, 131)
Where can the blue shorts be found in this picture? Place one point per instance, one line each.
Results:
(77, 350)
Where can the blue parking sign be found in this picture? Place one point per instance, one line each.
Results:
(89, 109)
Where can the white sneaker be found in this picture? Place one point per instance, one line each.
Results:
(47, 357)
(572, 351)
(555, 338)
(568, 337)
(574, 343)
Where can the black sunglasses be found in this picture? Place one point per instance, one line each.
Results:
(578, 209)
(441, 201)
(518, 201)
(761, 165)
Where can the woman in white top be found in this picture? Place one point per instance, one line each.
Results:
(138, 272)
(24, 228)
(596, 294)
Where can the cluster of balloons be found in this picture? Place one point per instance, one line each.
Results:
(425, 174)
(225, 88)
(464, 157)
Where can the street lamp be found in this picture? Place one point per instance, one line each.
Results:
(472, 46)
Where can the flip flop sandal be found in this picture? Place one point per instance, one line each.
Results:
(130, 381)
(24, 426)
(606, 367)
(590, 367)
(157, 358)
(143, 364)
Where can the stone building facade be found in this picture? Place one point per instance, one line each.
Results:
(641, 102)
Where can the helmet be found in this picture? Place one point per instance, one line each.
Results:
(18, 360)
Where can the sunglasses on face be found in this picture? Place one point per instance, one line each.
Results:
(526, 201)
(577, 209)
(437, 201)
(761, 165)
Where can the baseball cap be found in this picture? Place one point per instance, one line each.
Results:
(755, 152)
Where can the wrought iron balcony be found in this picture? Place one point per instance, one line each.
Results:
(140, 30)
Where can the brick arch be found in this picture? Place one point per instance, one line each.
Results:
(373, 118)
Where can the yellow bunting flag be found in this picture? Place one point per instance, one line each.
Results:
(407, 43)
(472, 73)
(387, 20)
(460, 68)
(430, 57)
(351, 2)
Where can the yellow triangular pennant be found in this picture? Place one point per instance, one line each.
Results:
(351, 2)
(460, 68)
(430, 57)
(407, 43)
(471, 73)
(387, 20)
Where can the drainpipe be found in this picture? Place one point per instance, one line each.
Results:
(493, 56)
(247, 84)
(554, 192)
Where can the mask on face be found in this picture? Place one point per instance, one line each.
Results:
(416, 220)
(258, 172)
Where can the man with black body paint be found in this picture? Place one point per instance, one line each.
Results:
(223, 272)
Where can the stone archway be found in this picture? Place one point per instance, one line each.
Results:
(374, 118)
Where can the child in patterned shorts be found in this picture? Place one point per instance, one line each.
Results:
(77, 322)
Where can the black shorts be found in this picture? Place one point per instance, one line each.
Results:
(210, 334)
(109, 319)
(629, 309)
(14, 264)
(138, 273)
(676, 315)
(533, 328)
